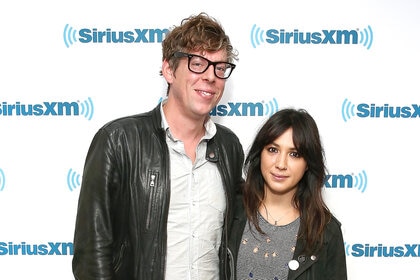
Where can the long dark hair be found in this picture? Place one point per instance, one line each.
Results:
(314, 213)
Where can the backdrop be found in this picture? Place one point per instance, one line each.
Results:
(68, 67)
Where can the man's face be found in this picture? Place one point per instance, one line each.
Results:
(196, 94)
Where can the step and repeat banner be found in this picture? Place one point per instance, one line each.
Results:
(68, 67)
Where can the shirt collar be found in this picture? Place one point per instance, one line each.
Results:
(209, 126)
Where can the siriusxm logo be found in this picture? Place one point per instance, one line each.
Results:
(348, 181)
(364, 110)
(2, 180)
(380, 250)
(76, 108)
(47, 249)
(331, 37)
(109, 36)
(73, 180)
(245, 109)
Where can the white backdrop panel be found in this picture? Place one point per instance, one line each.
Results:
(372, 157)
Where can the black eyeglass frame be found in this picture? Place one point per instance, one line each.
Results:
(214, 63)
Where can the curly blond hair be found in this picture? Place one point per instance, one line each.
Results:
(199, 33)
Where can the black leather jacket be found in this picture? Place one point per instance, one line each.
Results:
(122, 213)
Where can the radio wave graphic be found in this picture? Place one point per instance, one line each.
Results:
(69, 35)
(347, 110)
(361, 181)
(2, 180)
(271, 107)
(73, 180)
(87, 108)
(366, 37)
(347, 246)
(257, 36)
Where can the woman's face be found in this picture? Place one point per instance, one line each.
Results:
(281, 165)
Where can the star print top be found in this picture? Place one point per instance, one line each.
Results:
(266, 256)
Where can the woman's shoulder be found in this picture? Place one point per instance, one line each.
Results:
(333, 227)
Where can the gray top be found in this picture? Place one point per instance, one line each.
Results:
(266, 256)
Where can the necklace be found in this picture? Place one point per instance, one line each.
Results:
(267, 214)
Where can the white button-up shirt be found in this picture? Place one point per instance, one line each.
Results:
(196, 211)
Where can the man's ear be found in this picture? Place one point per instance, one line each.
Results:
(167, 72)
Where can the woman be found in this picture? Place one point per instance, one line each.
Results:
(286, 230)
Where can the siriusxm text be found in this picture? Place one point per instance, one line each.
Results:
(380, 250)
(49, 248)
(338, 181)
(274, 36)
(238, 109)
(133, 36)
(387, 111)
(40, 109)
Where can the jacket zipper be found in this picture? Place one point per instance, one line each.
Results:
(231, 264)
(152, 182)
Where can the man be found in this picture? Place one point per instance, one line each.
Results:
(158, 188)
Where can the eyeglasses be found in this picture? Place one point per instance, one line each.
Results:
(198, 64)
